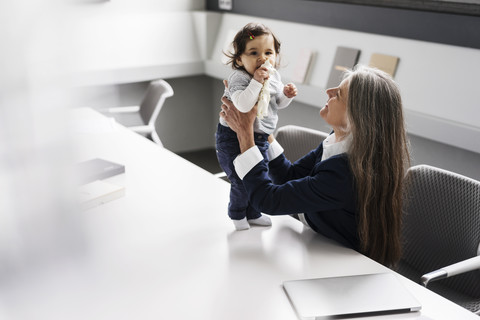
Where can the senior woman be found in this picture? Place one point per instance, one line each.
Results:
(350, 188)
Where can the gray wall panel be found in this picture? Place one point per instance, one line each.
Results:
(453, 29)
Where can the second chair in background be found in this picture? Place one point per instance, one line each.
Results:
(142, 118)
(298, 141)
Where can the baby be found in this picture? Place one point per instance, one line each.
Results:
(254, 80)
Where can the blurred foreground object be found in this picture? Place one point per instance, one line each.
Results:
(38, 225)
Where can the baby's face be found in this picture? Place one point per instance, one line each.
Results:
(257, 51)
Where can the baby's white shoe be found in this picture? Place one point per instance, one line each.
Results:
(241, 224)
(262, 221)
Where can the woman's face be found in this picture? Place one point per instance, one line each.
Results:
(257, 52)
(335, 110)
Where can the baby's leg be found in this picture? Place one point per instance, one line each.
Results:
(254, 217)
(237, 208)
(227, 150)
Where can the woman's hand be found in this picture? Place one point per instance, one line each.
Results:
(241, 123)
(271, 138)
(238, 121)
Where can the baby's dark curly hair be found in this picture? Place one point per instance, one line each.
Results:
(240, 42)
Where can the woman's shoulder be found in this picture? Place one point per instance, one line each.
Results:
(338, 162)
(338, 158)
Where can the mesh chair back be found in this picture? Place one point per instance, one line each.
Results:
(442, 226)
(298, 141)
(153, 100)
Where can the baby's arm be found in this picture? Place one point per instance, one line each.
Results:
(246, 99)
(289, 92)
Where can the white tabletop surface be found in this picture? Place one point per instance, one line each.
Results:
(167, 250)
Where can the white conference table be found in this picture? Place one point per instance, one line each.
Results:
(167, 250)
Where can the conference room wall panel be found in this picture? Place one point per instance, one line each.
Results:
(440, 27)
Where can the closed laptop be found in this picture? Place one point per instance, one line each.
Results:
(358, 295)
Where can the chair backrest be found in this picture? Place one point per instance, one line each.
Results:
(157, 92)
(298, 141)
(441, 225)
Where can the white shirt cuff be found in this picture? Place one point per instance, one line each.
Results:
(246, 161)
(274, 150)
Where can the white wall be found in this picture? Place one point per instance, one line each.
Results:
(439, 83)
(435, 79)
(119, 45)
(106, 38)
(144, 6)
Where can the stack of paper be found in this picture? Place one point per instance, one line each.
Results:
(97, 169)
(98, 192)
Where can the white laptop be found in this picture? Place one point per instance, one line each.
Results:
(359, 295)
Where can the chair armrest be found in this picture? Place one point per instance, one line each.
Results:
(126, 109)
(451, 270)
(142, 129)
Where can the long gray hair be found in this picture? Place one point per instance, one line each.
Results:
(379, 158)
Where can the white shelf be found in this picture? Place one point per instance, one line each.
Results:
(217, 70)
(444, 131)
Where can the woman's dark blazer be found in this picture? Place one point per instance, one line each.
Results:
(323, 190)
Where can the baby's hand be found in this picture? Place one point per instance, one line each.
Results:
(261, 74)
(290, 90)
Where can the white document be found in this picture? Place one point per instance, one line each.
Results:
(98, 192)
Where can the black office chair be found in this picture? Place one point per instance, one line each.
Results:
(298, 141)
(441, 232)
(142, 118)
